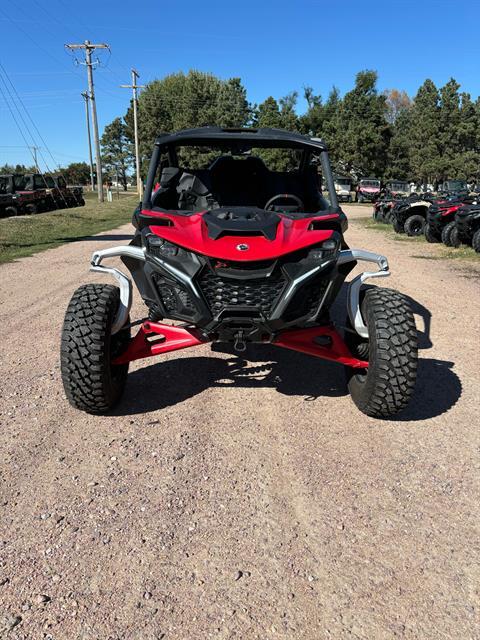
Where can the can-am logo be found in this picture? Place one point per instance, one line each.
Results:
(242, 247)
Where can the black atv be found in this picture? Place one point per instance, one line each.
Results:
(409, 215)
(467, 222)
(441, 226)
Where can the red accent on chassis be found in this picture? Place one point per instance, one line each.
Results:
(335, 349)
(172, 338)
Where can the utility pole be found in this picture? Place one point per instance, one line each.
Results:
(134, 86)
(87, 117)
(34, 151)
(89, 47)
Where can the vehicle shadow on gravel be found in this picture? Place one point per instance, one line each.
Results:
(172, 381)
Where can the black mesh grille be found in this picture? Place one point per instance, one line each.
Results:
(259, 293)
(306, 301)
(173, 297)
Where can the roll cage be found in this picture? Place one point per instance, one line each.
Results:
(241, 140)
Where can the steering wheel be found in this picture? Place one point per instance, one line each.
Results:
(284, 196)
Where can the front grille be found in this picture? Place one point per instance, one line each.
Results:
(306, 301)
(221, 292)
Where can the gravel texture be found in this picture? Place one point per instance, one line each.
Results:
(239, 497)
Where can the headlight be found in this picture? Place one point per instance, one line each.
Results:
(161, 247)
(325, 251)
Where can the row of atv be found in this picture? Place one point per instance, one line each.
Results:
(36, 193)
(453, 219)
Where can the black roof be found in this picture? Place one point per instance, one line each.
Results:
(259, 137)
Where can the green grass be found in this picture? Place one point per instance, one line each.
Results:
(449, 253)
(25, 235)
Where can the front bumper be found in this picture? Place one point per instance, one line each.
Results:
(236, 319)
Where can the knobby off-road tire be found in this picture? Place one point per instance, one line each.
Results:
(398, 227)
(386, 387)
(11, 211)
(450, 235)
(31, 209)
(414, 225)
(91, 382)
(430, 236)
(476, 241)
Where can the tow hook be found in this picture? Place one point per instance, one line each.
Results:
(239, 344)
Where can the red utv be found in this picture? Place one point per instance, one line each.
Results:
(59, 196)
(235, 249)
(22, 199)
(368, 190)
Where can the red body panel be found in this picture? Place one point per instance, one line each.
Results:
(172, 338)
(191, 232)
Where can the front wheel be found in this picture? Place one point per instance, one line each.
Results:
(385, 388)
(430, 235)
(11, 211)
(450, 235)
(398, 227)
(91, 382)
(414, 225)
(476, 241)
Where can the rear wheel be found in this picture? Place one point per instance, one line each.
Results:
(450, 235)
(414, 225)
(31, 208)
(386, 387)
(430, 235)
(91, 382)
(476, 241)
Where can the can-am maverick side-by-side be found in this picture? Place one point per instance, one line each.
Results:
(237, 252)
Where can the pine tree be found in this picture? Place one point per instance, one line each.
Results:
(363, 133)
(424, 134)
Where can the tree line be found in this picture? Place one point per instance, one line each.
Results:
(428, 138)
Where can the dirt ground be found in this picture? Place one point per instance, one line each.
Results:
(232, 497)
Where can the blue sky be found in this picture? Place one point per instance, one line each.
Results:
(274, 46)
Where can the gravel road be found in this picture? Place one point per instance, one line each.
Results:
(232, 497)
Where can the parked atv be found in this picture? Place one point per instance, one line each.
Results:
(409, 215)
(368, 190)
(382, 209)
(240, 253)
(467, 220)
(441, 225)
(343, 187)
